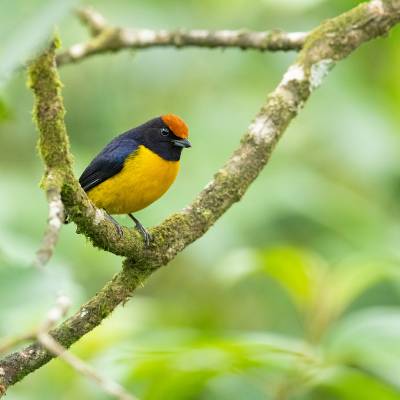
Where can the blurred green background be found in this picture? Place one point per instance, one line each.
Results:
(295, 293)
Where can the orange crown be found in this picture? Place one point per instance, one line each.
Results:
(177, 125)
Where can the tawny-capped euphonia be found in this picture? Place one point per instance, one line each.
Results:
(136, 168)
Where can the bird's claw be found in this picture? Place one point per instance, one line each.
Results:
(118, 227)
(142, 230)
(145, 234)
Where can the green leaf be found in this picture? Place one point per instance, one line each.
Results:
(351, 384)
(369, 340)
(297, 271)
(188, 362)
(349, 280)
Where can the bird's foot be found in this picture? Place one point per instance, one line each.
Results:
(145, 234)
(118, 227)
(142, 230)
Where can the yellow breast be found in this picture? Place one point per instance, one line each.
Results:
(144, 178)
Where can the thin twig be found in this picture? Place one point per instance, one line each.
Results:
(92, 19)
(54, 224)
(43, 337)
(55, 314)
(48, 342)
(9, 343)
(108, 38)
(108, 386)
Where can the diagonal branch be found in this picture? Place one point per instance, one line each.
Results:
(108, 386)
(332, 41)
(43, 337)
(49, 343)
(108, 38)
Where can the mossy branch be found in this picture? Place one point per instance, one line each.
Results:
(332, 41)
(48, 113)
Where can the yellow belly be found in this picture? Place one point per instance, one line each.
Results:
(144, 178)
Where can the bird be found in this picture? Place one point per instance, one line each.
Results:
(136, 168)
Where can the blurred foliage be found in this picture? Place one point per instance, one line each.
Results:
(26, 24)
(294, 294)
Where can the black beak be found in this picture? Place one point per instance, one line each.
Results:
(181, 143)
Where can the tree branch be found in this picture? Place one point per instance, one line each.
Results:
(43, 337)
(49, 343)
(92, 19)
(55, 222)
(332, 41)
(107, 38)
(49, 114)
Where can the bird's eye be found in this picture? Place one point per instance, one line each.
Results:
(164, 131)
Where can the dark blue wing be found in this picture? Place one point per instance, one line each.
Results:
(109, 161)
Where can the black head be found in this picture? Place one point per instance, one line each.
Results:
(165, 136)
